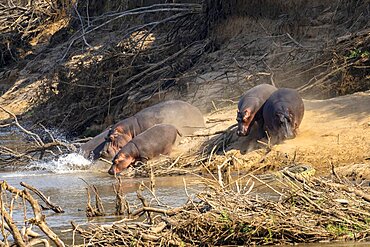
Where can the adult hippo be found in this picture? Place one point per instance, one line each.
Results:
(151, 143)
(250, 108)
(184, 116)
(283, 113)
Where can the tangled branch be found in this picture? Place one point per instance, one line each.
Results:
(296, 210)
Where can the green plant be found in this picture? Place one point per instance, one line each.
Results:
(339, 230)
(224, 217)
(245, 228)
(268, 238)
(357, 53)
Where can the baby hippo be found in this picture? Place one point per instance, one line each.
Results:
(151, 143)
(250, 108)
(283, 113)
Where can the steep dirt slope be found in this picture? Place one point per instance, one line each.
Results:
(97, 69)
(333, 131)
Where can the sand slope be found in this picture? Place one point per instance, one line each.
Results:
(333, 131)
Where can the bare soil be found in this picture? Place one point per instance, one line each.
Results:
(80, 83)
(333, 132)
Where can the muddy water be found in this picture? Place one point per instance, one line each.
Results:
(66, 187)
(63, 181)
(68, 191)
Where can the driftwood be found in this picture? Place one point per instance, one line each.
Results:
(309, 210)
(122, 205)
(36, 146)
(98, 210)
(38, 218)
(49, 204)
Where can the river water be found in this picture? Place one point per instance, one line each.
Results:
(64, 181)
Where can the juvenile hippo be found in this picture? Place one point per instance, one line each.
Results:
(283, 113)
(153, 142)
(185, 117)
(250, 108)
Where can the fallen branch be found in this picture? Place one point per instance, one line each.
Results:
(50, 205)
(38, 219)
(36, 137)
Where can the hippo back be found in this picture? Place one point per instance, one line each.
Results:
(185, 117)
(282, 99)
(156, 140)
(260, 93)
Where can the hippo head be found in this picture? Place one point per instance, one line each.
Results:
(114, 141)
(244, 119)
(120, 162)
(285, 122)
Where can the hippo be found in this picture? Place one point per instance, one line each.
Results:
(250, 108)
(185, 117)
(94, 146)
(149, 144)
(283, 113)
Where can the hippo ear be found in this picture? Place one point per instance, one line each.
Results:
(247, 114)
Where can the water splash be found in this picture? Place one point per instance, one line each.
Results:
(63, 164)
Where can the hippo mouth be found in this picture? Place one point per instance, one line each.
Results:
(109, 150)
(243, 129)
(114, 170)
(97, 152)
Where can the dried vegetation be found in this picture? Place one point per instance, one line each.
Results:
(12, 199)
(23, 23)
(109, 60)
(112, 63)
(115, 73)
(297, 209)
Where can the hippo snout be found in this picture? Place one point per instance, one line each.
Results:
(104, 154)
(107, 153)
(240, 133)
(289, 135)
(242, 130)
(112, 171)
